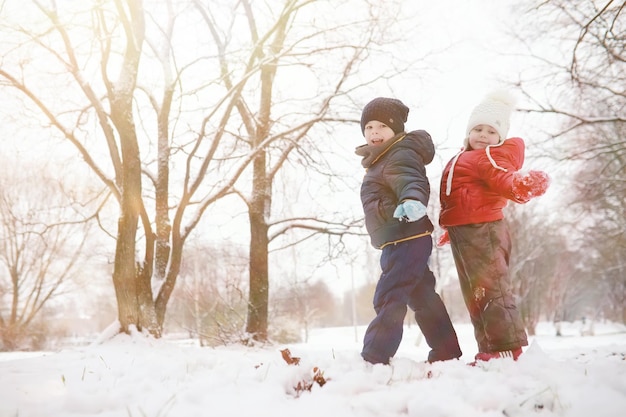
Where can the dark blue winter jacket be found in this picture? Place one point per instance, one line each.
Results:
(396, 171)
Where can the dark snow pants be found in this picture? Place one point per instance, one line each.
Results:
(407, 280)
(481, 254)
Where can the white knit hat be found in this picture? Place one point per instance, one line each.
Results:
(495, 110)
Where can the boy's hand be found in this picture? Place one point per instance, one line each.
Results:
(530, 185)
(410, 210)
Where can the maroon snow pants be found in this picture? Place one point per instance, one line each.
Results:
(481, 254)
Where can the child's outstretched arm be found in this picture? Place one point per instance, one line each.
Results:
(530, 185)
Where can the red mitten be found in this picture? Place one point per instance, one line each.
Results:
(530, 185)
(443, 239)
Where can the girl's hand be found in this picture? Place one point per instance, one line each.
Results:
(443, 239)
(530, 185)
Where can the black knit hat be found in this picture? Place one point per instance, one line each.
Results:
(389, 111)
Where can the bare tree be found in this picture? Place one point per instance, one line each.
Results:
(291, 40)
(306, 302)
(578, 86)
(210, 300)
(148, 103)
(530, 275)
(112, 110)
(42, 241)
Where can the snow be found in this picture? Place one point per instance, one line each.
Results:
(138, 376)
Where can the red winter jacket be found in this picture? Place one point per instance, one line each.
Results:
(477, 184)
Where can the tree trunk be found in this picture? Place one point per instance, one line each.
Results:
(259, 279)
(131, 281)
(175, 261)
(124, 280)
(259, 247)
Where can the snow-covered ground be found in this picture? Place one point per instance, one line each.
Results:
(135, 376)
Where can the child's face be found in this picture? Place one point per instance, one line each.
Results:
(377, 133)
(482, 136)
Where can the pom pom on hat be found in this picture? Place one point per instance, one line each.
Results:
(389, 111)
(494, 110)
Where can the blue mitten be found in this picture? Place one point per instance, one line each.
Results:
(410, 210)
(399, 213)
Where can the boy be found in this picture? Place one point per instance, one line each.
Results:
(394, 194)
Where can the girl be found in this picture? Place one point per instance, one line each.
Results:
(475, 186)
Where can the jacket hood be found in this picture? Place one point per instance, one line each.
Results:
(421, 141)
